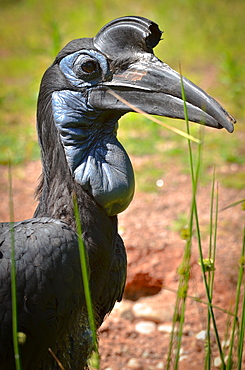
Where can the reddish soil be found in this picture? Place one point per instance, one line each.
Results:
(155, 251)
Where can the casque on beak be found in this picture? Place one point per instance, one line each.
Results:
(146, 82)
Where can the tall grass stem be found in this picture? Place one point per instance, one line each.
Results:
(85, 277)
(13, 274)
(184, 268)
(235, 325)
(194, 178)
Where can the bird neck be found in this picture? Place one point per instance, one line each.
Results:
(79, 151)
(56, 186)
(57, 183)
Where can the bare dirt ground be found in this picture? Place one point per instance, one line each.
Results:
(136, 334)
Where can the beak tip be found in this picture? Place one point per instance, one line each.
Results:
(228, 126)
(232, 122)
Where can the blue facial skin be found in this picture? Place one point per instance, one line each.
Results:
(95, 157)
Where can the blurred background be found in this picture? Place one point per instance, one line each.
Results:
(207, 38)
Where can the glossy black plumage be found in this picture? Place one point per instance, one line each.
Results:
(77, 119)
(47, 262)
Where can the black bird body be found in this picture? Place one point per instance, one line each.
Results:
(77, 117)
(47, 292)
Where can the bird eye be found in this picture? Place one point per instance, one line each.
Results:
(89, 66)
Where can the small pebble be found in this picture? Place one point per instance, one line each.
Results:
(159, 183)
(145, 327)
(225, 344)
(184, 357)
(150, 312)
(181, 351)
(134, 363)
(202, 335)
(165, 328)
(160, 365)
(217, 362)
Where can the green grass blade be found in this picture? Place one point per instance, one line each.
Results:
(235, 320)
(85, 277)
(211, 269)
(241, 336)
(213, 257)
(208, 352)
(196, 299)
(13, 276)
(207, 289)
(234, 204)
(194, 178)
(184, 268)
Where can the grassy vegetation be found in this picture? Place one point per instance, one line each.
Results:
(235, 331)
(234, 335)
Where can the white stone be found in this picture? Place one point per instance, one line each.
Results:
(145, 327)
(165, 328)
(181, 351)
(160, 365)
(134, 363)
(122, 306)
(149, 311)
(202, 335)
(184, 357)
(217, 362)
(225, 344)
(159, 183)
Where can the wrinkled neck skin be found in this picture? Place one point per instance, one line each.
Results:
(96, 159)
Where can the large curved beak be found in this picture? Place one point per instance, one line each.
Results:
(152, 86)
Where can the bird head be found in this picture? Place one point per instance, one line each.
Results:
(81, 89)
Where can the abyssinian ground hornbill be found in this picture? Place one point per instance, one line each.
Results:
(77, 121)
